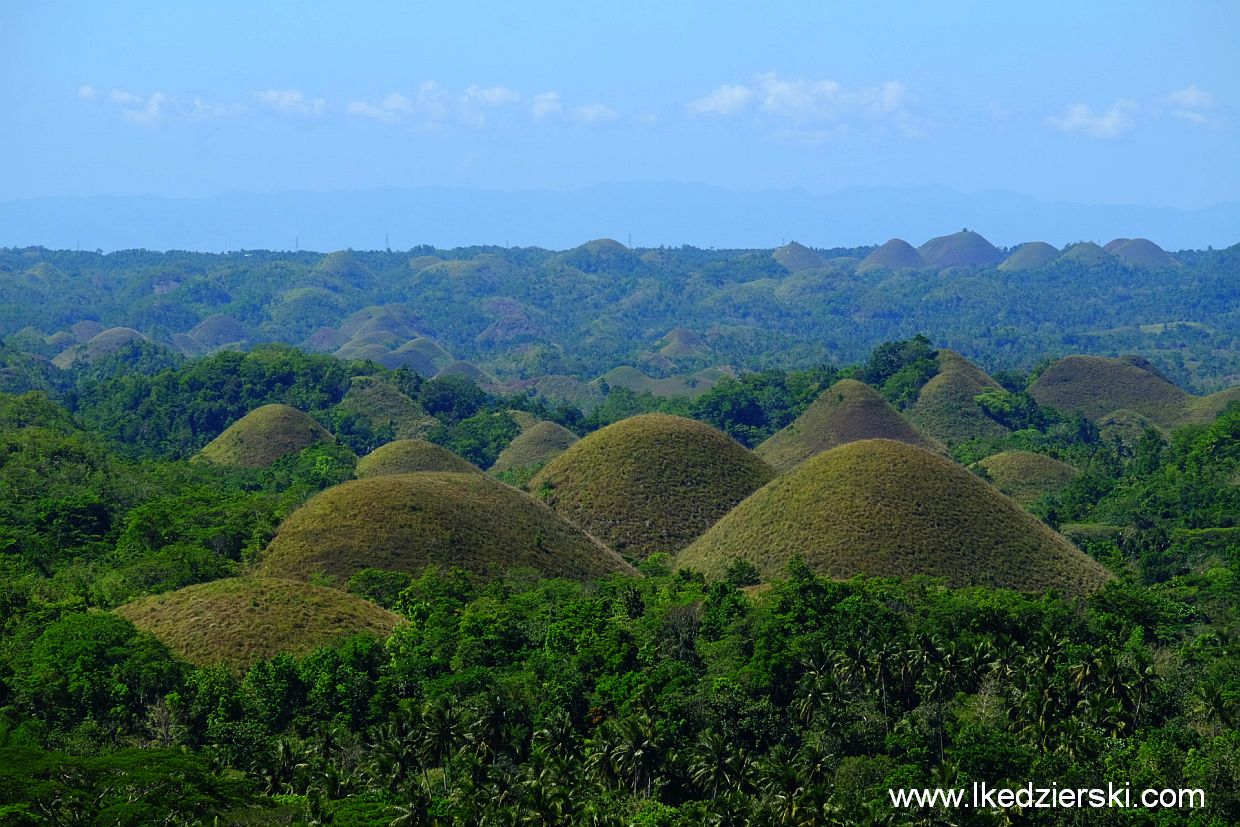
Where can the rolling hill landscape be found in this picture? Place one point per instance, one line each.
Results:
(671, 525)
(613, 415)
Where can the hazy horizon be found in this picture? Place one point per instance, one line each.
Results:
(1104, 105)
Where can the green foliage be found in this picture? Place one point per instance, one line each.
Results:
(94, 666)
(899, 369)
(478, 438)
(752, 407)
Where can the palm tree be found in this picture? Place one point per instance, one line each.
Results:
(715, 763)
(441, 734)
(634, 750)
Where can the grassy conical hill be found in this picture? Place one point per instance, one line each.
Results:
(219, 330)
(1096, 385)
(1115, 243)
(383, 406)
(262, 436)
(945, 408)
(650, 483)
(880, 507)
(100, 345)
(375, 324)
(239, 621)
(406, 522)
(468, 370)
(405, 456)
(86, 330)
(535, 445)
(963, 249)
(602, 255)
(793, 257)
(896, 254)
(1141, 252)
(681, 342)
(352, 352)
(1127, 426)
(1086, 253)
(1025, 476)
(846, 412)
(524, 419)
(341, 269)
(1029, 256)
(408, 357)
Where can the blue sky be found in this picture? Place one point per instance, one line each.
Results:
(1117, 103)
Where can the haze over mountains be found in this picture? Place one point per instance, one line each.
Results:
(650, 214)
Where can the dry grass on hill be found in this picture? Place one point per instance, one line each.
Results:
(406, 456)
(406, 522)
(262, 436)
(880, 507)
(845, 412)
(650, 483)
(241, 620)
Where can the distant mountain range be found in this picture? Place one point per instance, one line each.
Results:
(639, 214)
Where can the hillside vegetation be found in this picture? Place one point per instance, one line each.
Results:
(880, 507)
(1095, 386)
(846, 412)
(534, 446)
(406, 456)
(650, 483)
(1025, 476)
(262, 436)
(240, 621)
(406, 522)
(947, 408)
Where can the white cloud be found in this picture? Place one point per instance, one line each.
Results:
(492, 95)
(726, 100)
(545, 105)
(122, 97)
(594, 113)
(800, 101)
(290, 102)
(1190, 97)
(1188, 104)
(87, 92)
(1079, 117)
(149, 114)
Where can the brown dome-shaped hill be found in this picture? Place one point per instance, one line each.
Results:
(219, 330)
(1115, 243)
(1141, 252)
(86, 330)
(1096, 385)
(793, 257)
(466, 370)
(680, 343)
(383, 406)
(412, 355)
(406, 522)
(845, 412)
(880, 507)
(239, 621)
(650, 483)
(1031, 255)
(963, 249)
(100, 345)
(262, 436)
(1025, 476)
(946, 408)
(1127, 426)
(534, 446)
(896, 254)
(406, 456)
(1086, 253)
